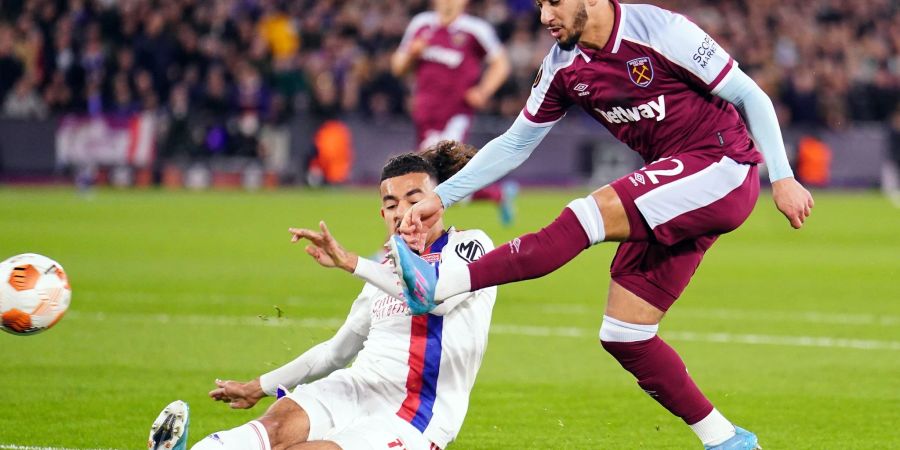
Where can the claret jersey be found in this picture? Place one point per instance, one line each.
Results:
(652, 86)
(450, 64)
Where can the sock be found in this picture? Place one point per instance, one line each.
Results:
(492, 193)
(250, 436)
(713, 429)
(660, 372)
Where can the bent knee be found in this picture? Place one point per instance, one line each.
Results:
(286, 424)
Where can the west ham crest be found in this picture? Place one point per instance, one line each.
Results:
(640, 70)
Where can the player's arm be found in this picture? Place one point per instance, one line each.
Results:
(496, 159)
(791, 198)
(546, 105)
(498, 66)
(700, 61)
(314, 363)
(410, 49)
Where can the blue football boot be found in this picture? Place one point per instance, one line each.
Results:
(170, 429)
(742, 440)
(417, 277)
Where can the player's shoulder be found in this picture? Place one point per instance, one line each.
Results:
(468, 245)
(558, 58)
(648, 23)
(422, 19)
(466, 21)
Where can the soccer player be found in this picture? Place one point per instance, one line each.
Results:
(410, 383)
(664, 87)
(448, 50)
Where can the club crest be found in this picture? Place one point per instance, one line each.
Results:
(640, 70)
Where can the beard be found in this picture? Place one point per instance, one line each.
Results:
(577, 28)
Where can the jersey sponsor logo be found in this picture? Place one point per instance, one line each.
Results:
(446, 56)
(654, 109)
(640, 70)
(470, 251)
(705, 51)
(387, 306)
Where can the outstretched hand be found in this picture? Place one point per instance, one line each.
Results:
(238, 395)
(419, 219)
(793, 200)
(324, 248)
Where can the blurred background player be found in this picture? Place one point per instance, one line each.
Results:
(459, 64)
(890, 172)
(409, 385)
(665, 88)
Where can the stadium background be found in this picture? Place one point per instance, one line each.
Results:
(173, 287)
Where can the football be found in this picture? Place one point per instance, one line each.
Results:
(34, 294)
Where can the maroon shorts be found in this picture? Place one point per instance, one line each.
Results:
(430, 131)
(676, 208)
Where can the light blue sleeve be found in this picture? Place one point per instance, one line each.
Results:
(759, 113)
(496, 159)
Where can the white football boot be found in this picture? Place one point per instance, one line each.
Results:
(170, 429)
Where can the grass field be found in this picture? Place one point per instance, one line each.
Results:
(794, 335)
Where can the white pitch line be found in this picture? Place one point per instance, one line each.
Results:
(852, 319)
(503, 329)
(26, 447)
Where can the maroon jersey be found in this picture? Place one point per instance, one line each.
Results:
(450, 64)
(653, 86)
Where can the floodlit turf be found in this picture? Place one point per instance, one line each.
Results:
(794, 335)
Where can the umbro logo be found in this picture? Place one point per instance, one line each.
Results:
(581, 89)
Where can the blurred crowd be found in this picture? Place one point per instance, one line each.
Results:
(236, 65)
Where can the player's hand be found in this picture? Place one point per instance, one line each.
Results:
(419, 219)
(417, 47)
(324, 248)
(238, 395)
(793, 200)
(476, 98)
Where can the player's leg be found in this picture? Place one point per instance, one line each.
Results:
(647, 278)
(284, 424)
(584, 222)
(628, 333)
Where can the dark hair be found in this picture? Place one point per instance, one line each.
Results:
(440, 161)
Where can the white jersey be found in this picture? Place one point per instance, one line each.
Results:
(419, 368)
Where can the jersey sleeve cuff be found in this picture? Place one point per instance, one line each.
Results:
(723, 77)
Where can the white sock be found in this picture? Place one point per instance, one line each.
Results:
(714, 429)
(250, 436)
(588, 214)
(454, 279)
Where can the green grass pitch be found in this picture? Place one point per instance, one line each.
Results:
(792, 334)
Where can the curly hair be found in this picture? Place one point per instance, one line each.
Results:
(440, 161)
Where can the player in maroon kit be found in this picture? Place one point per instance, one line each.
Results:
(447, 50)
(661, 85)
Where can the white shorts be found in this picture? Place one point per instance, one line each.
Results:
(339, 412)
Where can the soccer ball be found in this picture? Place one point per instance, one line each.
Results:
(34, 294)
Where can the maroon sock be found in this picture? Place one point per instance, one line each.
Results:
(492, 193)
(532, 255)
(661, 373)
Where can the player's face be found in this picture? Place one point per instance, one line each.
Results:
(449, 8)
(398, 194)
(565, 19)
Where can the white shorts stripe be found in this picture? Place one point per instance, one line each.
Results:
(455, 130)
(691, 192)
